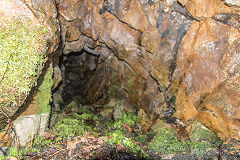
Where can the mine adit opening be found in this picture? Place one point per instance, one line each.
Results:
(83, 73)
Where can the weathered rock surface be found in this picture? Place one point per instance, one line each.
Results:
(157, 55)
(207, 64)
(30, 15)
(29, 126)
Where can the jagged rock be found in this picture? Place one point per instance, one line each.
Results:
(107, 112)
(72, 107)
(199, 133)
(57, 76)
(233, 2)
(118, 111)
(206, 68)
(156, 52)
(201, 9)
(144, 120)
(58, 102)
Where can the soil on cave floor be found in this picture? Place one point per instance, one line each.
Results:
(94, 147)
(104, 138)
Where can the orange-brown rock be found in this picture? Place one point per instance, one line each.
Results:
(155, 51)
(206, 60)
(46, 12)
(31, 15)
(201, 9)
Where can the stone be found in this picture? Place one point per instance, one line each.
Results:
(57, 76)
(46, 12)
(73, 107)
(144, 120)
(75, 46)
(107, 111)
(44, 119)
(199, 133)
(36, 29)
(58, 102)
(201, 9)
(233, 2)
(158, 125)
(117, 114)
(36, 125)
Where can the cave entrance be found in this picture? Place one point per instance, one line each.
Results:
(84, 78)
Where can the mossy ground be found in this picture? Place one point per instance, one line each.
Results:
(200, 141)
(85, 128)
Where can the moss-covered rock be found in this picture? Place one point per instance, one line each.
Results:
(202, 139)
(74, 124)
(21, 60)
(26, 38)
(165, 142)
(44, 92)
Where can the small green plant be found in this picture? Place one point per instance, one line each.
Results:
(68, 127)
(127, 118)
(201, 140)
(13, 152)
(165, 142)
(118, 137)
(41, 143)
(199, 148)
(142, 138)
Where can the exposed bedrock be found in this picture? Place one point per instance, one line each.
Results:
(169, 58)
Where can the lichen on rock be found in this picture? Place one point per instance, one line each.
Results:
(21, 59)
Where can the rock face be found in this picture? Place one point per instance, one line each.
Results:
(161, 56)
(29, 32)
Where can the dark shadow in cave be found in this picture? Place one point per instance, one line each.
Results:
(83, 78)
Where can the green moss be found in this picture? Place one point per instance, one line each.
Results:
(142, 138)
(129, 118)
(199, 148)
(78, 124)
(202, 140)
(45, 93)
(165, 142)
(70, 127)
(118, 137)
(201, 134)
(22, 50)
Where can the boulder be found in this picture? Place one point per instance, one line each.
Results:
(36, 125)
(29, 32)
